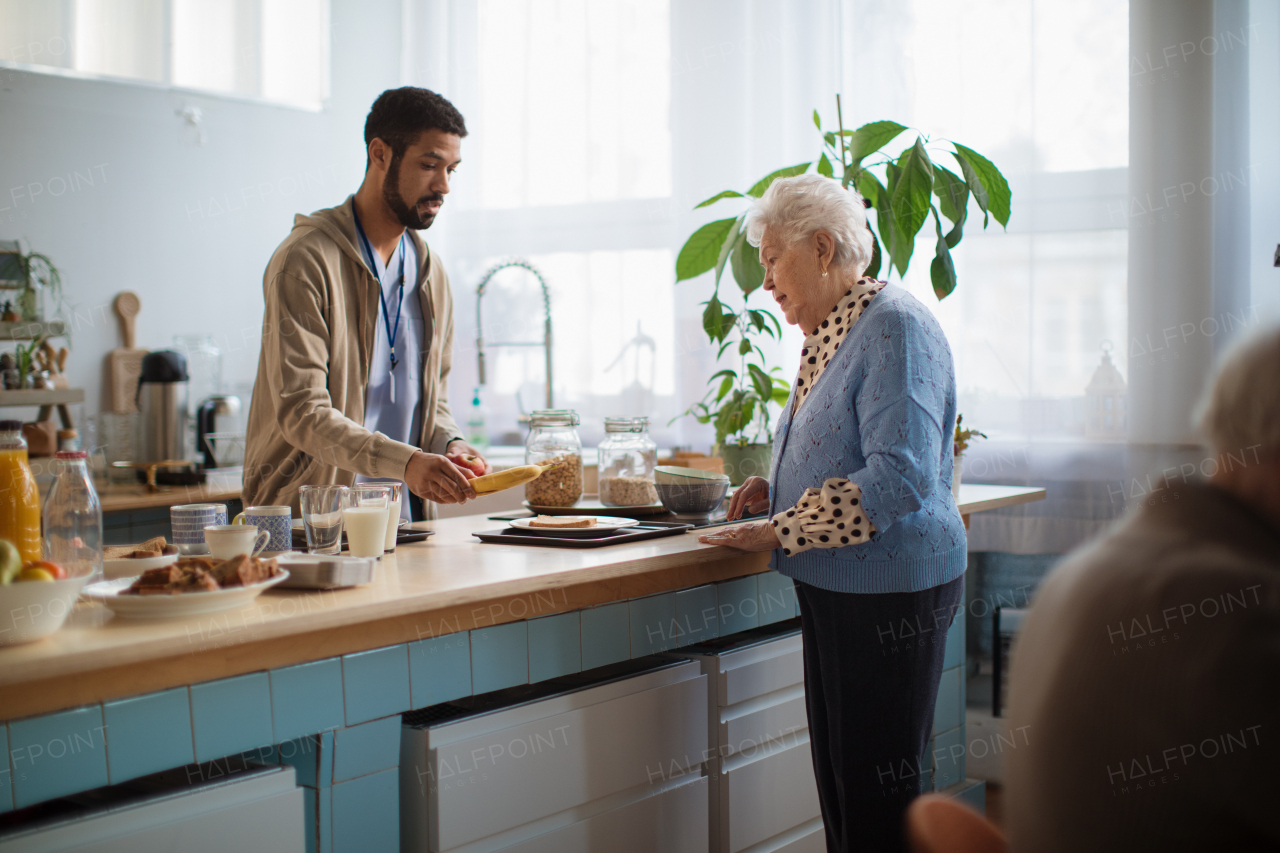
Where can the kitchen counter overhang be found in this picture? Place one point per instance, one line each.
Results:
(447, 584)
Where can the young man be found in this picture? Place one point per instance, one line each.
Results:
(357, 336)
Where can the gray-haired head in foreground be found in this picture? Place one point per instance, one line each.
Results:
(1241, 410)
(796, 208)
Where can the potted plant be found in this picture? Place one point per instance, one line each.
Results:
(31, 274)
(958, 447)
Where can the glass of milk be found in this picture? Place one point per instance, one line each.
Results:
(393, 515)
(364, 515)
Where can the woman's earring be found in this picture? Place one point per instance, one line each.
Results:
(824, 273)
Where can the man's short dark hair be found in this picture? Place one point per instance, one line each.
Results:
(399, 115)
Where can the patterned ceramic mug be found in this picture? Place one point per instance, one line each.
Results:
(188, 522)
(276, 520)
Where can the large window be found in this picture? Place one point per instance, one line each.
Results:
(270, 49)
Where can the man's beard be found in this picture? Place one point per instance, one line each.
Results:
(408, 216)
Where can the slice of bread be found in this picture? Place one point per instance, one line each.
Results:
(563, 521)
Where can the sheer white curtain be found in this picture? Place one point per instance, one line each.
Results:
(595, 129)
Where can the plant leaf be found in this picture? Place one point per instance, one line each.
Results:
(790, 171)
(726, 385)
(817, 122)
(726, 248)
(942, 272)
(824, 166)
(747, 270)
(870, 138)
(909, 202)
(873, 268)
(724, 346)
(953, 200)
(744, 346)
(718, 196)
(978, 169)
(717, 322)
(762, 381)
(700, 251)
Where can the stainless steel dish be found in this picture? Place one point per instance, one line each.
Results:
(322, 571)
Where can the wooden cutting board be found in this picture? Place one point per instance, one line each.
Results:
(125, 363)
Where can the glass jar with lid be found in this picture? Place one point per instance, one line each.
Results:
(553, 437)
(627, 458)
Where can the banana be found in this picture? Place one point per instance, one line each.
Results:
(509, 479)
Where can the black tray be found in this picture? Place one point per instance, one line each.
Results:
(643, 530)
(403, 537)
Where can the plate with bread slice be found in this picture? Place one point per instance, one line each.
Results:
(572, 525)
(188, 587)
(125, 561)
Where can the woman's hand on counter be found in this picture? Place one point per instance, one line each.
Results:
(751, 498)
(759, 536)
(437, 478)
(466, 457)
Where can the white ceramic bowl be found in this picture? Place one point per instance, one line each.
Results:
(30, 610)
(129, 567)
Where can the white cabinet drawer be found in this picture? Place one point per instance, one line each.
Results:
(764, 669)
(784, 720)
(767, 796)
(674, 821)
(497, 772)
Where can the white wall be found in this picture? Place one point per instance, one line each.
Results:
(188, 226)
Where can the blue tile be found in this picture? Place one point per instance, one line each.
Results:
(366, 814)
(499, 656)
(325, 820)
(310, 807)
(366, 748)
(739, 605)
(376, 683)
(440, 669)
(948, 758)
(955, 642)
(326, 759)
(555, 646)
(948, 708)
(147, 734)
(6, 776)
(697, 615)
(776, 597)
(57, 754)
(606, 635)
(303, 755)
(653, 624)
(306, 699)
(231, 715)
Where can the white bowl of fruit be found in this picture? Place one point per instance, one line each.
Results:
(35, 597)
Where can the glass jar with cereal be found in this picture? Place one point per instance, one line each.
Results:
(553, 437)
(627, 458)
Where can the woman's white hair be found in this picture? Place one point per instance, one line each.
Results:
(1241, 410)
(796, 208)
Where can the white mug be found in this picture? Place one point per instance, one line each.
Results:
(228, 540)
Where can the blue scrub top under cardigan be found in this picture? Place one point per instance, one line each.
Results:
(883, 415)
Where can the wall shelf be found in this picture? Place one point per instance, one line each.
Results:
(29, 331)
(41, 397)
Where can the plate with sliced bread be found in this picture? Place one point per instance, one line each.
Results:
(572, 525)
(123, 561)
(188, 587)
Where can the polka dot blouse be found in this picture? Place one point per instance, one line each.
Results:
(830, 516)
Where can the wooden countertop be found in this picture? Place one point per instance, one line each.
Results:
(220, 487)
(449, 583)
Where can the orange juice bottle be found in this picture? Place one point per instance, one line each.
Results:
(19, 497)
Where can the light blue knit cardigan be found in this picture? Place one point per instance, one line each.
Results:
(882, 414)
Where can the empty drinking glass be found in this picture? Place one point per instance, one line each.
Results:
(322, 517)
(364, 514)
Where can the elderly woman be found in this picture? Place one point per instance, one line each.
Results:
(860, 508)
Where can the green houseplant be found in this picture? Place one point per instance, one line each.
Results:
(30, 274)
(901, 190)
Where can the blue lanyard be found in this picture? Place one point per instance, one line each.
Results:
(392, 330)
